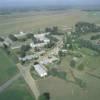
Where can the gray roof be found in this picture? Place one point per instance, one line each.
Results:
(41, 70)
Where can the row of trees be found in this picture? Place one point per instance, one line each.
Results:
(54, 30)
(95, 37)
(85, 27)
(24, 38)
(89, 44)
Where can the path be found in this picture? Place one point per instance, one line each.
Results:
(25, 72)
(8, 83)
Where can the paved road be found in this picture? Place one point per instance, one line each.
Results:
(25, 72)
(9, 82)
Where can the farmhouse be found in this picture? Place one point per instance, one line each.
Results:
(41, 70)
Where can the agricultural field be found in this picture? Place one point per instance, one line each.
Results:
(33, 21)
(7, 67)
(17, 91)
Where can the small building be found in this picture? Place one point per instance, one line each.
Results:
(41, 70)
(8, 42)
(64, 51)
(37, 45)
(27, 58)
(21, 34)
(15, 47)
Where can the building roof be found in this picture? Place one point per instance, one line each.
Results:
(21, 34)
(41, 70)
(28, 57)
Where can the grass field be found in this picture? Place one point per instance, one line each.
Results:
(33, 21)
(7, 67)
(63, 90)
(17, 91)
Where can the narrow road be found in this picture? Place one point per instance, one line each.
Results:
(25, 72)
(9, 82)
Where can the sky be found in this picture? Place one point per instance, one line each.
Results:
(4, 3)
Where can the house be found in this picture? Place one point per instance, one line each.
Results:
(41, 36)
(21, 34)
(41, 70)
(27, 58)
(7, 42)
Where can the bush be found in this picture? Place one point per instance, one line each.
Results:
(73, 63)
(81, 67)
(44, 96)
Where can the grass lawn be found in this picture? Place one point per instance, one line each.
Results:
(7, 67)
(17, 91)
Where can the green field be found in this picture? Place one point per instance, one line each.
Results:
(7, 67)
(63, 90)
(17, 91)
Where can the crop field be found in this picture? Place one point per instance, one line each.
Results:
(7, 67)
(33, 21)
(17, 91)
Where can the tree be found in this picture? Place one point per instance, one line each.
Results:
(85, 27)
(73, 63)
(12, 37)
(44, 96)
(81, 67)
(55, 29)
(47, 29)
(30, 35)
(1, 39)
(50, 44)
(25, 48)
(22, 54)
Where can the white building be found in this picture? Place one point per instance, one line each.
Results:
(41, 70)
(27, 58)
(7, 41)
(40, 37)
(21, 34)
(49, 60)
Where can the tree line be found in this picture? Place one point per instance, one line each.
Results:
(85, 27)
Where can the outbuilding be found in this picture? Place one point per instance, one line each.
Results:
(41, 70)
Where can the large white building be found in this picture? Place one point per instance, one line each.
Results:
(41, 70)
